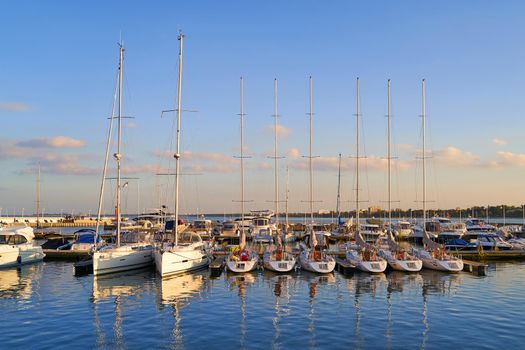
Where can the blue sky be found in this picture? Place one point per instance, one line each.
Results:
(59, 63)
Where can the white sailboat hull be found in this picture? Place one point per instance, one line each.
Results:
(285, 265)
(179, 260)
(240, 266)
(411, 264)
(124, 258)
(325, 266)
(375, 266)
(448, 264)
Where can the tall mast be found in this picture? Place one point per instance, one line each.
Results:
(38, 198)
(338, 204)
(310, 162)
(276, 158)
(287, 195)
(242, 153)
(389, 164)
(108, 145)
(423, 115)
(177, 154)
(358, 113)
(117, 155)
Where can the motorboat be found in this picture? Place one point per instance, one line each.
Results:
(475, 224)
(85, 240)
(203, 227)
(474, 240)
(230, 229)
(402, 229)
(17, 247)
(371, 233)
(261, 230)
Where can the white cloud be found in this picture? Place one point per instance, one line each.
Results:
(294, 153)
(15, 107)
(499, 142)
(510, 159)
(282, 131)
(452, 156)
(52, 142)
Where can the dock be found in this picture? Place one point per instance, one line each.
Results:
(217, 265)
(344, 266)
(484, 255)
(475, 267)
(73, 255)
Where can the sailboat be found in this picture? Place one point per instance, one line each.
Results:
(397, 257)
(278, 259)
(433, 254)
(186, 252)
(242, 260)
(312, 257)
(118, 257)
(364, 256)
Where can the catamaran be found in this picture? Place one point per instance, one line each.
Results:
(242, 260)
(118, 257)
(278, 259)
(187, 252)
(363, 255)
(312, 258)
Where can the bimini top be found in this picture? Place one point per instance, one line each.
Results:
(25, 231)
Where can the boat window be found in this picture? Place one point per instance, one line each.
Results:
(228, 226)
(260, 222)
(3, 239)
(16, 239)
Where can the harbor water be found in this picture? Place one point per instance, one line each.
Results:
(45, 306)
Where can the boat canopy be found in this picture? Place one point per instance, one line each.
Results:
(24, 231)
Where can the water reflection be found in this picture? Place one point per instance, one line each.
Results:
(118, 286)
(17, 282)
(241, 281)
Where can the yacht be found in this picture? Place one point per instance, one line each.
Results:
(402, 229)
(278, 259)
(118, 256)
(397, 257)
(261, 230)
(242, 260)
(432, 254)
(312, 257)
(17, 247)
(179, 254)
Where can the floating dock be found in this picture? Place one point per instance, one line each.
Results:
(483, 255)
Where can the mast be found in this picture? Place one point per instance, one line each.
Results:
(108, 145)
(177, 154)
(389, 164)
(276, 159)
(243, 234)
(310, 162)
(117, 155)
(424, 107)
(338, 204)
(287, 195)
(38, 198)
(358, 113)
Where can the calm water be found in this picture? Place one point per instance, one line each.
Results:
(45, 306)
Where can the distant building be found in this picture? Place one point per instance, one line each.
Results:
(324, 211)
